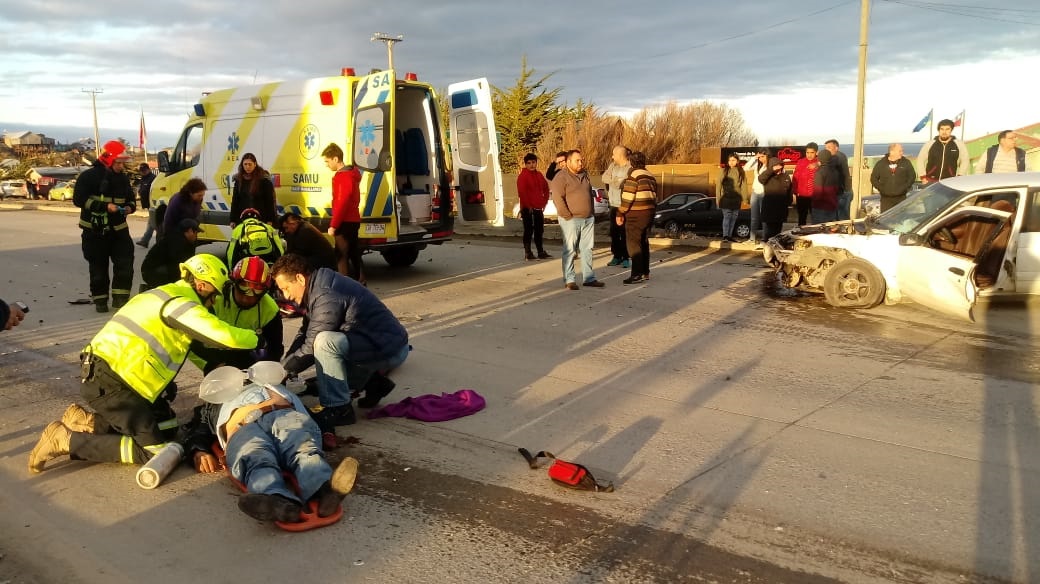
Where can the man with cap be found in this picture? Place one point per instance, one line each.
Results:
(162, 263)
(104, 194)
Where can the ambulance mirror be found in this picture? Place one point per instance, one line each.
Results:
(164, 161)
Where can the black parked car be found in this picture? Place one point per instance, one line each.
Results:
(696, 213)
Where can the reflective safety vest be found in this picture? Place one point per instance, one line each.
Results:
(253, 318)
(147, 341)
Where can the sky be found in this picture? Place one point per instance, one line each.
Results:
(791, 70)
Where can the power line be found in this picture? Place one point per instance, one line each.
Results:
(966, 11)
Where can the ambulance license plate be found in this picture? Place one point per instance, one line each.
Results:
(374, 228)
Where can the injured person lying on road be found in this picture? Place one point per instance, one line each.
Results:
(265, 431)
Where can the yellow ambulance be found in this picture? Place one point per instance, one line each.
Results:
(389, 128)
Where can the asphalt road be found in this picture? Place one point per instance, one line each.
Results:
(752, 437)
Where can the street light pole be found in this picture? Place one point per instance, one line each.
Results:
(93, 102)
(389, 40)
(857, 149)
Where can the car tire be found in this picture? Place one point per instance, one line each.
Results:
(742, 230)
(672, 229)
(854, 283)
(400, 257)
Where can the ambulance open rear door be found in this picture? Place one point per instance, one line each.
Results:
(474, 153)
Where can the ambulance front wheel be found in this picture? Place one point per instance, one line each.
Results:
(400, 257)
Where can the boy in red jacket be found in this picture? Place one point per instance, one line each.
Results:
(534, 194)
(346, 218)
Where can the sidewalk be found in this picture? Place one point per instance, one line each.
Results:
(513, 229)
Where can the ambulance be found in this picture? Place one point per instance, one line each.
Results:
(389, 128)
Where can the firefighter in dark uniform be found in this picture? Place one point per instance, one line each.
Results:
(104, 194)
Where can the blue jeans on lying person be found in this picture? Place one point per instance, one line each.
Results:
(282, 439)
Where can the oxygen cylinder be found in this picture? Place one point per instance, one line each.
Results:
(160, 466)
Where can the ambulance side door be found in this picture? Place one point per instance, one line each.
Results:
(474, 153)
(372, 151)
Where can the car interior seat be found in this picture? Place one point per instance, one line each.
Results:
(991, 257)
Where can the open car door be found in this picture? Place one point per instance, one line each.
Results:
(474, 153)
(943, 267)
(372, 153)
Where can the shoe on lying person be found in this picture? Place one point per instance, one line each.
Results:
(331, 493)
(377, 388)
(270, 507)
(328, 418)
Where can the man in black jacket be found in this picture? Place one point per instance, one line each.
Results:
(104, 194)
(943, 157)
(893, 176)
(302, 237)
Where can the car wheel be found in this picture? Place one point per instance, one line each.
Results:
(854, 283)
(742, 230)
(400, 257)
(672, 229)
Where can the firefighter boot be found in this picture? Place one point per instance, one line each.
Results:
(78, 419)
(331, 494)
(54, 442)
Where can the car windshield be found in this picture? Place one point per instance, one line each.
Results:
(918, 208)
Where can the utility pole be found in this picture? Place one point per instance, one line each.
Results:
(857, 149)
(97, 137)
(389, 40)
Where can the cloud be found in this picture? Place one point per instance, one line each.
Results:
(618, 55)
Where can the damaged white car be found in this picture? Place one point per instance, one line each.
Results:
(944, 246)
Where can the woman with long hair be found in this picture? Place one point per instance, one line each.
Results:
(636, 213)
(252, 189)
(730, 191)
(186, 204)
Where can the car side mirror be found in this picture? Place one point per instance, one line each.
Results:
(164, 161)
(909, 239)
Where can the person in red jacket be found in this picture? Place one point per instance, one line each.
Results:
(346, 218)
(534, 195)
(803, 181)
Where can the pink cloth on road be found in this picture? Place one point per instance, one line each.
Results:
(433, 408)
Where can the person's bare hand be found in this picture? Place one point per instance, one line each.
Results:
(207, 463)
(15, 318)
(620, 220)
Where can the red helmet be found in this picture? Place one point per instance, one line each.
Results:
(249, 213)
(111, 151)
(251, 275)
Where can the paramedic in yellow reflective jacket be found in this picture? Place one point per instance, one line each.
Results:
(129, 366)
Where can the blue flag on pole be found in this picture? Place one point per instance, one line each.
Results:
(924, 121)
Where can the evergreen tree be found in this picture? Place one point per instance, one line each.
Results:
(522, 114)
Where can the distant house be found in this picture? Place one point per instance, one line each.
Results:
(28, 142)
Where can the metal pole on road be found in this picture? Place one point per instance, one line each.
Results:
(857, 149)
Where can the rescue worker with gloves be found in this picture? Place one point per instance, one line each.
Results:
(105, 197)
(129, 366)
(246, 305)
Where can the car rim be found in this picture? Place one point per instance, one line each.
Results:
(743, 230)
(854, 286)
(672, 229)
